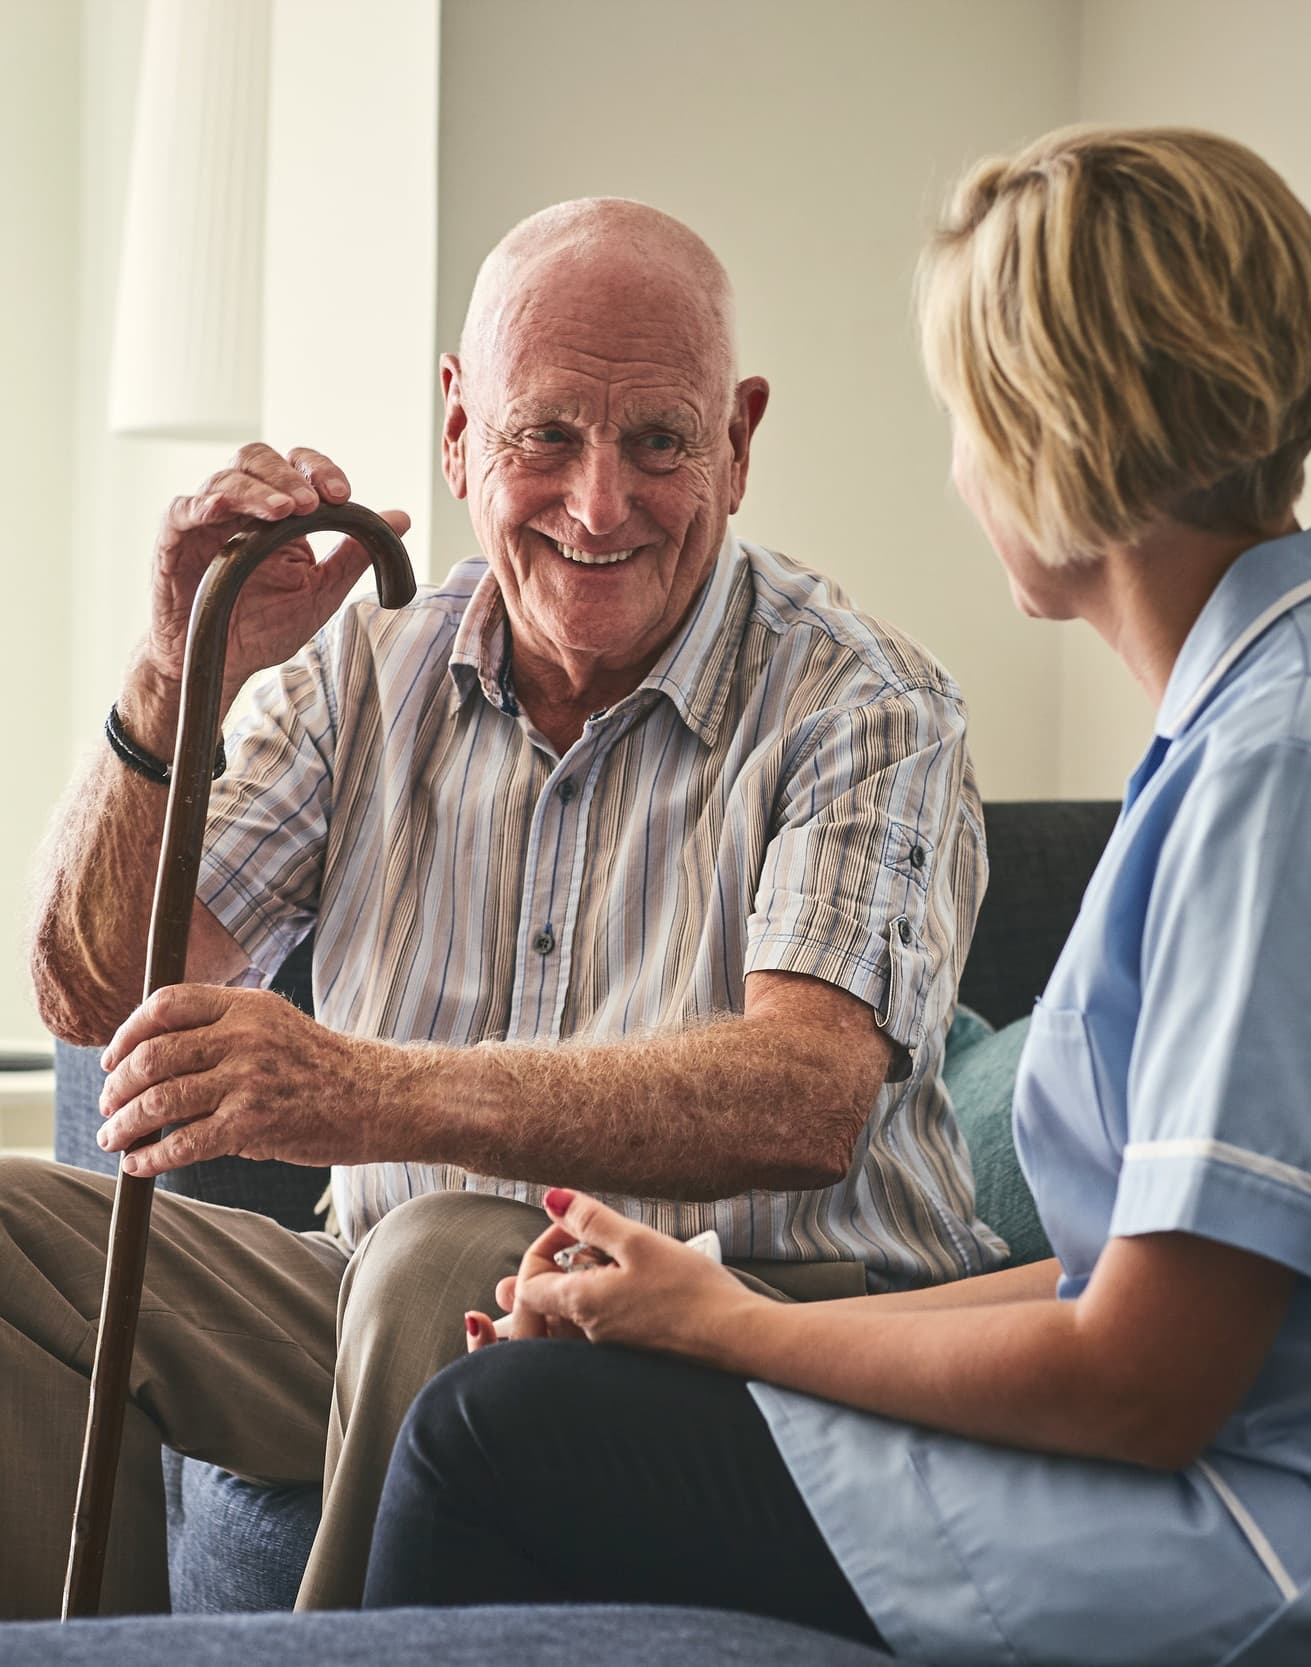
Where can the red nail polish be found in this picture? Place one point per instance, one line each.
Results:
(471, 1325)
(558, 1200)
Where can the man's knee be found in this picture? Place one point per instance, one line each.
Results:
(39, 1198)
(430, 1260)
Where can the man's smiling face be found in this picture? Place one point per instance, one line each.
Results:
(602, 447)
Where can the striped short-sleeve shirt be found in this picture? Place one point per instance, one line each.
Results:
(788, 789)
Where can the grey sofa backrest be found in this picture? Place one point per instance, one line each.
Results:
(1042, 854)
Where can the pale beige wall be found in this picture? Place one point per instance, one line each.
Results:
(1240, 70)
(39, 54)
(351, 254)
(349, 293)
(810, 145)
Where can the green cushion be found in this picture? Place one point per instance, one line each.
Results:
(979, 1070)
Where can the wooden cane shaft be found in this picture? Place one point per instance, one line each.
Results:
(166, 961)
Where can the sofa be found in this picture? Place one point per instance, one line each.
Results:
(235, 1547)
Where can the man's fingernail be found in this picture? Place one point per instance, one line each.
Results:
(102, 1139)
(104, 1060)
(558, 1200)
(471, 1325)
(336, 484)
(131, 1165)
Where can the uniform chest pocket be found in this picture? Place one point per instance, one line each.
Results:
(1056, 1095)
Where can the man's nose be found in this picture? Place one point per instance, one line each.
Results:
(596, 496)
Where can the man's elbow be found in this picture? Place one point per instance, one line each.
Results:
(823, 1158)
(75, 1022)
(71, 1012)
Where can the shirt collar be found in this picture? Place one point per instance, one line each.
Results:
(481, 650)
(1260, 587)
(693, 672)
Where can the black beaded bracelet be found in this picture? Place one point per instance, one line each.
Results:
(145, 763)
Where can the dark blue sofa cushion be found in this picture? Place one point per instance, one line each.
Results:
(525, 1637)
(234, 1546)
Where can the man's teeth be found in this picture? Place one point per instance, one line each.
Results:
(571, 554)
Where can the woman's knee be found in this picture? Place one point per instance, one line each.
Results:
(491, 1402)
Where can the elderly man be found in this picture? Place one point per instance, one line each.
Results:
(637, 860)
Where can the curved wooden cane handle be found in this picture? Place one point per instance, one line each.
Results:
(166, 960)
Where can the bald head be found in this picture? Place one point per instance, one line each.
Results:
(625, 255)
(595, 423)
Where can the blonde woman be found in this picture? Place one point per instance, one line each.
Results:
(1105, 1458)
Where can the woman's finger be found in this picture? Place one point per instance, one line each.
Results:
(481, 1333)
(589, 1221)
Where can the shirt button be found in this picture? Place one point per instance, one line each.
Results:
(568, 790)
(917, 856)
(903, 930)
(544, 942)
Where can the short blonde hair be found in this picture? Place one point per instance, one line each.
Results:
(1120, 321)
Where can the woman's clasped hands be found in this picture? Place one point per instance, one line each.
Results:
(653, 1293)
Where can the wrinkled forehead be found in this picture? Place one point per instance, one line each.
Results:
(641, 328)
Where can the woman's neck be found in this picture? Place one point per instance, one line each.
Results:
(1148, 595)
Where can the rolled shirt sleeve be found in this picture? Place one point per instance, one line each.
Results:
(861, 886)
(268, 815)
(1219, 1132)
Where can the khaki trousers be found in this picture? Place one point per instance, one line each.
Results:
(268, 1352)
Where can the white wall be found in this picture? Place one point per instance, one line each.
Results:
(810, 145)
(349, 292)
(1239, 70)
(38, 266)
(351, 253)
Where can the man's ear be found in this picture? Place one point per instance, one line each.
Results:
(454, 423)
(749, 401)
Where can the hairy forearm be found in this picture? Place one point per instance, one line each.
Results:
(94, 896)
(705, 1112)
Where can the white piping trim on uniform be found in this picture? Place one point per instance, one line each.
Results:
(1251, 1532)
(1262, 622)
(1272, 1169)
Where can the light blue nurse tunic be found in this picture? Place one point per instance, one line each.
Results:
(1165, 1086)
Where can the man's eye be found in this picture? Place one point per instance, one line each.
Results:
(550, 436)
(658, 443)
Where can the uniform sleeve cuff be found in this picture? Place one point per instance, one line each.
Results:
(1165, 1190)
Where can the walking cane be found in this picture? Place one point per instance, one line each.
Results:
(166, 960)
